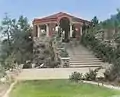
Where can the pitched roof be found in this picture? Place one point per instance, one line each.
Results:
(54, 17)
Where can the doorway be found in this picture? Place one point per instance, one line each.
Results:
(65, 25)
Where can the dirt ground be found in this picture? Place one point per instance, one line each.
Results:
(3, 88)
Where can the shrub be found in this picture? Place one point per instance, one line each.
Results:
(2, 71)
(27, 65)
(113, 73)
(60, 45)
(75, 76)
(52, 63)
(91, 75)
(63, 53)
(107, 74)
(41, 45)
(102, 50)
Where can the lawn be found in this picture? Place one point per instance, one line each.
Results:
(60, 88)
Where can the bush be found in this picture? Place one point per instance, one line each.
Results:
(27, 65)
(60, 45)
(107, 75)
(102, 50)
(66, 65)
(52, 63)
(91, 75)
(113, 73)
(63, 53)
(75, 76)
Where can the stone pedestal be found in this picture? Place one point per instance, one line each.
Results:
(65, 62)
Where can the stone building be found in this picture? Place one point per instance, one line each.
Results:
(64, 21)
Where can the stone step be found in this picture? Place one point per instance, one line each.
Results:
(80, 56)
(84, 66)
(79, 59)
(82, 53)
(83, 61)
(91, 58)
(86, 63)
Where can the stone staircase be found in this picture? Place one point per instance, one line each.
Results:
(85, 61)
(82, 57)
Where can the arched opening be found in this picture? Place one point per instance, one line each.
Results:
(43, 27)
(65, 25)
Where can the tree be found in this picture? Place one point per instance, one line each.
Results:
(17, 43)
(106, 51)
(95, 20)
(22, 40)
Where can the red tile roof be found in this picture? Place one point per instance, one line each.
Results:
(54, 17)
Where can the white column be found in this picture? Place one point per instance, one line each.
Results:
(47, 30)
(81, 31)
(38, 27)
(70, 30)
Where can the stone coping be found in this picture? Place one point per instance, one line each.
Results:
(65, 58)
(102, 84)
(60, 48)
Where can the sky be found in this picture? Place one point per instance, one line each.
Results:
(85, 9)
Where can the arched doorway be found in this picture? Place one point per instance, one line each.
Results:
(65, 25)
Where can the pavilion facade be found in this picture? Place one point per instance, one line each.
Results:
(66, 22)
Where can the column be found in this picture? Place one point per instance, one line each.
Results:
(78, 29)
(38, 30)
(47, 30)
(70, 30)
(81, 30)
(34, 33)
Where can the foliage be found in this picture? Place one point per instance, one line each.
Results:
(27, 65)
(95, 20)
(102, 50)
(2, 71)
(113, 73)
(17, 42)
(51, 63)
(75, 76)
(60, 45)
(105, 50)
(63, 53)
(91, 75)
(107, 75)
(44, 52)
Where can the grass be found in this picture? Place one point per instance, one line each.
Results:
(60, 88)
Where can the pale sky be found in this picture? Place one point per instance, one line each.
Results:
(85, 9)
